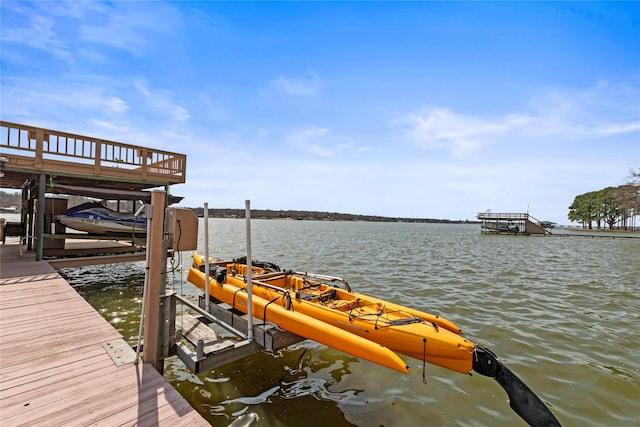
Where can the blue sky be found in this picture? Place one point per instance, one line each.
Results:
(402, 109)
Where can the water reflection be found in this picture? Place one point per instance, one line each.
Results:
(264, 385)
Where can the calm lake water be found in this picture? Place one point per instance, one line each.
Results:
(563, 313)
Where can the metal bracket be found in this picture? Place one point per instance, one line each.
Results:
(121, 353)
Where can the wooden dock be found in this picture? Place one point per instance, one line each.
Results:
(61, 363)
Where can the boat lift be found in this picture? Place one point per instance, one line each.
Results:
(192, 338)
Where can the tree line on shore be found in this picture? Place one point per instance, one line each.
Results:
(314, 216)
(610, 207)
(10, 199)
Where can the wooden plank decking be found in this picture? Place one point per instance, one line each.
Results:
(54, 367)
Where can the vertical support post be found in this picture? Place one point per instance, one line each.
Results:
(206, 257)
(249, 272)
(155, 224)
(200, 349)
(40, 219)
(30, 222)
(24, 210)
(167, 332)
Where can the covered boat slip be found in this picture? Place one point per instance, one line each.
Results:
(41, 161)
(62, 363)
(511, 223)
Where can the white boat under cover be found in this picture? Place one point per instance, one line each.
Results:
(95, 218)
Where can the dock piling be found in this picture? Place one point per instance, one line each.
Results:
(151, 351)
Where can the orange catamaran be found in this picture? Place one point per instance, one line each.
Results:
(286, 298)
(325, 309)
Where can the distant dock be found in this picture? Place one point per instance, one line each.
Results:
(61, 363)
(510, 223)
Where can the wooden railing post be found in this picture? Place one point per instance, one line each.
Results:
(39, 147)
(98, 156)
(145, 163)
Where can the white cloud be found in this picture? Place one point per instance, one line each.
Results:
(38, 33)
(612, 129)
(602, 111)
(141, 86)
(309, 139)
(110, 127)
(296, 87)
(161, 101)
(440, 128)
(120, 26)
(323, 142)
(44, 99)
(117, 105)
(65, 29)
(180, 114)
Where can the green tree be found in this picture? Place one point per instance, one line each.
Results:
(610, 208)
(628, 198)
(612, 205)
(584, 209)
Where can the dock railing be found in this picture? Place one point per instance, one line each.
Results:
(31, 147)
(503, 216)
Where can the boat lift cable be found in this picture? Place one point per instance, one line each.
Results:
(176, 265)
